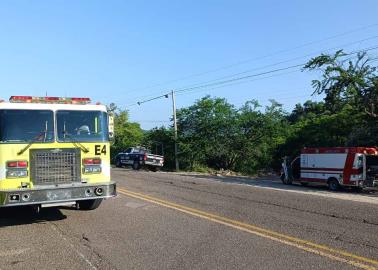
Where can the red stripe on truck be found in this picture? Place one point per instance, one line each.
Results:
(348, 169)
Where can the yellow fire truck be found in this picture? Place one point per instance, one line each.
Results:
(54, 151)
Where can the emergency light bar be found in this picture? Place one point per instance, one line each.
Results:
(58, 100)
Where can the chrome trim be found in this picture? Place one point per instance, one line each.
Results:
(62, 193)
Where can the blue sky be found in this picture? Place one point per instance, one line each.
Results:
(123, 51)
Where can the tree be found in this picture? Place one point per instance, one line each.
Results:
(346, 81)
(207, 133)
(161, 141)
(126, 133)
(350, 84)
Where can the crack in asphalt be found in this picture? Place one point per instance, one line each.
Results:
(85, 241)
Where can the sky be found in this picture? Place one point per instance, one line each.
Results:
(129, 51)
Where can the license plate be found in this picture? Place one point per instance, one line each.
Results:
(54, 195)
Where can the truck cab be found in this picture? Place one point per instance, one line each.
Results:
(138, 157)
(54, 151)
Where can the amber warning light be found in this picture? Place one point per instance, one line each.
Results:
(58, 100)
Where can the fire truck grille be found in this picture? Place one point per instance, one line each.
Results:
(55, 166)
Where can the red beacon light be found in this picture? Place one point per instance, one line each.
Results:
(49, 100)
(77, 100)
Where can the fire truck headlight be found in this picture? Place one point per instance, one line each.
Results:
(17, 173)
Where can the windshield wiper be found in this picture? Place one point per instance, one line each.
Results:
(75, 142)
(34, 140)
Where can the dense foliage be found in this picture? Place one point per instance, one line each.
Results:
(127, 133)
(214, 133)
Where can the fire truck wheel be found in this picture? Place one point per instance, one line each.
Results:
(36, 209)
(136, 165)
(333, 184)
(89, 204)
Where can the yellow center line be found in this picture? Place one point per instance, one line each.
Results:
(322, 250)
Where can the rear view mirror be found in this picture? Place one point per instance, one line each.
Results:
(111, 126)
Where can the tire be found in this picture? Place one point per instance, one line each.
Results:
(333, 184)
(284, 181)
(154, 169)
(357, 189)
(89, 204)
(305, 184)
(118, 163)
(136, 165)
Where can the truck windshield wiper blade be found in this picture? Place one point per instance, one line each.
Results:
(32, 141)
(75, 142)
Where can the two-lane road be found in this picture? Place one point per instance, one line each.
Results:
(179, 221)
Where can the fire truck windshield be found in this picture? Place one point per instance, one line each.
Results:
(20, 126)
(82, 126)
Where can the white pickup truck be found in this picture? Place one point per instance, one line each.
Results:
(138, 157)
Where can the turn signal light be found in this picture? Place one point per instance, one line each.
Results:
(22, 164)
(17, 164)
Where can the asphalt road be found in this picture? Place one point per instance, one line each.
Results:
(180, 221)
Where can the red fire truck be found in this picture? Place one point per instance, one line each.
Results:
(334, 166)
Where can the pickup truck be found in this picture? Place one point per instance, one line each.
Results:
(138, 157)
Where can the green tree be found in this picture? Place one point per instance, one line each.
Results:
(346, 80)
(350, 84)
(161, 141)
(207, 133)
(126, 133)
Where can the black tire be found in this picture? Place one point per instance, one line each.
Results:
(333, 184)
(357, 189)
(136, 165)
(305, 184)
(89, 204)
(284, 181)
(154, 168)
(118, 163)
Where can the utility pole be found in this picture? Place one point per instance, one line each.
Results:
(175, 127)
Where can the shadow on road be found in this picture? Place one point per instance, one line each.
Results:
(12, 216)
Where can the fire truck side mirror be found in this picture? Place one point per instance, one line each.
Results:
(111, 126)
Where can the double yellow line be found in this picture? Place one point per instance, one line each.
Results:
(321, 250)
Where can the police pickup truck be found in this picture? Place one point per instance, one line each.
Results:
(138, 157)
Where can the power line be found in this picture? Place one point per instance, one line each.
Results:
(290, 60)
(240, 78)
(274, 64)
(238, 83)
(141, 102)
(257, 58)
(261, 73)
(152, 121)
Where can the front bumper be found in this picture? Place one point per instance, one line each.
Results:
(151, 163)
(59, 194)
